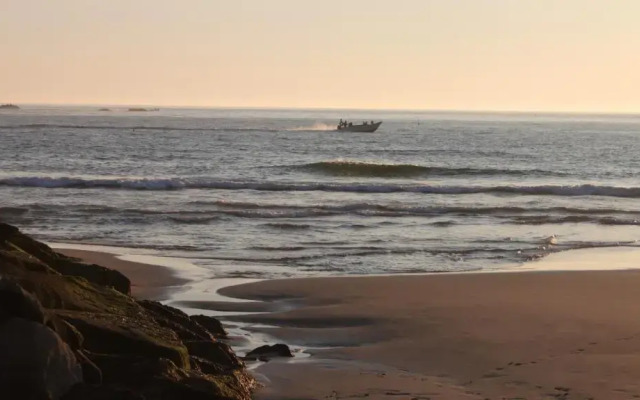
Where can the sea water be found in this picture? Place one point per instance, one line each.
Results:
(276, 193)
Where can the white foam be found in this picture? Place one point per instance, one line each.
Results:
(318, 126)
(183, 268)
(593, 259)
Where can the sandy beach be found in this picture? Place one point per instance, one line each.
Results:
(152, 282)
(529, 335)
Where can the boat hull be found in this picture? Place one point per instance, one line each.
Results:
(361, 128)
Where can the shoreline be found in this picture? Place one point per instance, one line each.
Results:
(148, 281)
(541, 333)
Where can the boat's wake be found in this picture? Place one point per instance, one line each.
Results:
(318, 126)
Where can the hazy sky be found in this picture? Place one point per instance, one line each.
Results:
(554, 55)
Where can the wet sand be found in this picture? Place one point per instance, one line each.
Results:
(151, 282)
(531, 335)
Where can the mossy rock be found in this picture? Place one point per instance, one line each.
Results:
(184, 326)
(127, 349)
(76, 293)
(33, 250)
(115, 334)
(213, 325)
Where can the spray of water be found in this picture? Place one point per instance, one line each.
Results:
(318, 126)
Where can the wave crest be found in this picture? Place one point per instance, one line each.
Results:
(389, 170)
(208, 183)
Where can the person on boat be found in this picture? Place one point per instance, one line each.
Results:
(365, 123)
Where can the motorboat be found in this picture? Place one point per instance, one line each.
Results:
(363, 127)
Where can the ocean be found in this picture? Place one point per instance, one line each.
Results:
(280, 193)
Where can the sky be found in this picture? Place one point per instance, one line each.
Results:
(503, 55)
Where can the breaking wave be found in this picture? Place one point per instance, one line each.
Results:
(207, 183)
(373, 169)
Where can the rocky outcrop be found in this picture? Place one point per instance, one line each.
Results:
(35, 362)
(75, 333)
(266, 352)
(142, 109)
(211, 324)
(37, 251)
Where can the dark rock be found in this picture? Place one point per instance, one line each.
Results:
(211, 324)
(162, 379)
(139, 109)
(266, 352)
(15, 263)
(76, 320)
(176, 320)
(83, 391)
(63, 264)
(34, 362)
(16, 302)
(61, 292)
(67, 332)
(90, 371)
(215, 352)
(94, 273)
(7, 231)
(117, 334)
(201, 386)
(206, 366)
(133, 369)
(28, 245)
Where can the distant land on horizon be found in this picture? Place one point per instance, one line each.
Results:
(270, 108)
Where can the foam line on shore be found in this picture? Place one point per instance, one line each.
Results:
(200, 280)
(591, 259)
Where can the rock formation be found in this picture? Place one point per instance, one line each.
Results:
(142, 109)
(266, 352)
(70, 330)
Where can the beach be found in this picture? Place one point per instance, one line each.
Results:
(532, 335)
(152, 282)
(446, 255)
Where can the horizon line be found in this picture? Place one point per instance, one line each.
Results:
(316, 108)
